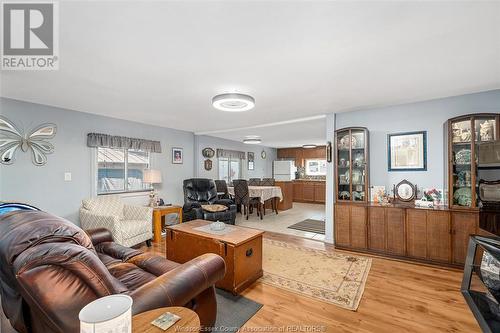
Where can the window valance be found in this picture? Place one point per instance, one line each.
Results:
(113, 141)
(230, 154)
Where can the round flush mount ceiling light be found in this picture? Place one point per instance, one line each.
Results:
(233, 102)
(252, 140)
(309, 146)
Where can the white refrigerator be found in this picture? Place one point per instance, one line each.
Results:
(284, 170)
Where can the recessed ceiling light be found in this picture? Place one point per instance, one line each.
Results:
(233, 102)
(309, 146)
(252, 140)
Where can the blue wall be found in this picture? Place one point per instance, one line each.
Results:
(427, 116)
(45, 186)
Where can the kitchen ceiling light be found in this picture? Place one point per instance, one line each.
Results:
(252, 140)
(233, 102)
(309, 146)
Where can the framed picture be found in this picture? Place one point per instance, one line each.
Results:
(251, 159)
(407, 151)
(177, 156)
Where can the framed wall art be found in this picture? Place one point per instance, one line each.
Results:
(251, 161)
(407, 151)
(177, 156)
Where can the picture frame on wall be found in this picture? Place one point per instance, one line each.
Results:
(177, 155)
(251, 161)
(407, 151)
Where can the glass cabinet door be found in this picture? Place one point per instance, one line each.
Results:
(343, 167)
(484, 131)
(358, 163)
(461, 146)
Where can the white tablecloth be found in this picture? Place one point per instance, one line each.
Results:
(262, 192)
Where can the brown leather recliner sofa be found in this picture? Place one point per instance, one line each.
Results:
(50, 269)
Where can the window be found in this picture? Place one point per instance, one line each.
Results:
(115, 165)
(229, 169)
(316, 167)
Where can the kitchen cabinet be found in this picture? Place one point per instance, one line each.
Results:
(298, 189)
(309, 191)
(300, 154)
(320, 192)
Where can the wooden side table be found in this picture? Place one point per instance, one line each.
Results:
(141, 323)
(160, 211)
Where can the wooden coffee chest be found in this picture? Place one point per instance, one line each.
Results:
(241, 249)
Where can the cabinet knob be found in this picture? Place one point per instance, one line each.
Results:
(249, 252)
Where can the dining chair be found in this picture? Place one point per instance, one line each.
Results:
(221, 187)
(254, 182)
(267, 182)
(242, 198)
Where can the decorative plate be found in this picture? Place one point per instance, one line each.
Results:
(463, 156)
(405, 191)
(357, 177)
(208, 153)
(344, 195)
(463, 197)
(359, 160)
(358, 195)
(344, 142)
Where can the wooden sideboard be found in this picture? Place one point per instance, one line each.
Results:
(309, 191)
(434, 235)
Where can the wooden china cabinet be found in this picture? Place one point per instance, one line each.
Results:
(352, 164)
(438, 234)
(465, 133)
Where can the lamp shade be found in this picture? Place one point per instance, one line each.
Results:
(107, 314)
(152, 176)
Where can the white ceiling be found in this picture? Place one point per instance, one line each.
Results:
(162, 62)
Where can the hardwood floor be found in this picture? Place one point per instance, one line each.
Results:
(398, 297)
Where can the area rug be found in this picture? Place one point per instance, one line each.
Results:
(310, 225)
(233, 311)
(330, 277)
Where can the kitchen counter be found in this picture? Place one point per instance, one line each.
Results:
(309, 180)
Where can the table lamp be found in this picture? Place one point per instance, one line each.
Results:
(109, 314)
(152, 176)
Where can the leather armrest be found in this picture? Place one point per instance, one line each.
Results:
(225, 202)
(180, 285)
(99, 235)
(190, 205)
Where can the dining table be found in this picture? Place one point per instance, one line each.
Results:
(264, 193)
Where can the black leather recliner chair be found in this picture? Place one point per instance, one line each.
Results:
(202, 191)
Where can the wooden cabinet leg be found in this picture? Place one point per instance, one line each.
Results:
(156, 227)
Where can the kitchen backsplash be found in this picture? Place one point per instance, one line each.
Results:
(302, 175)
